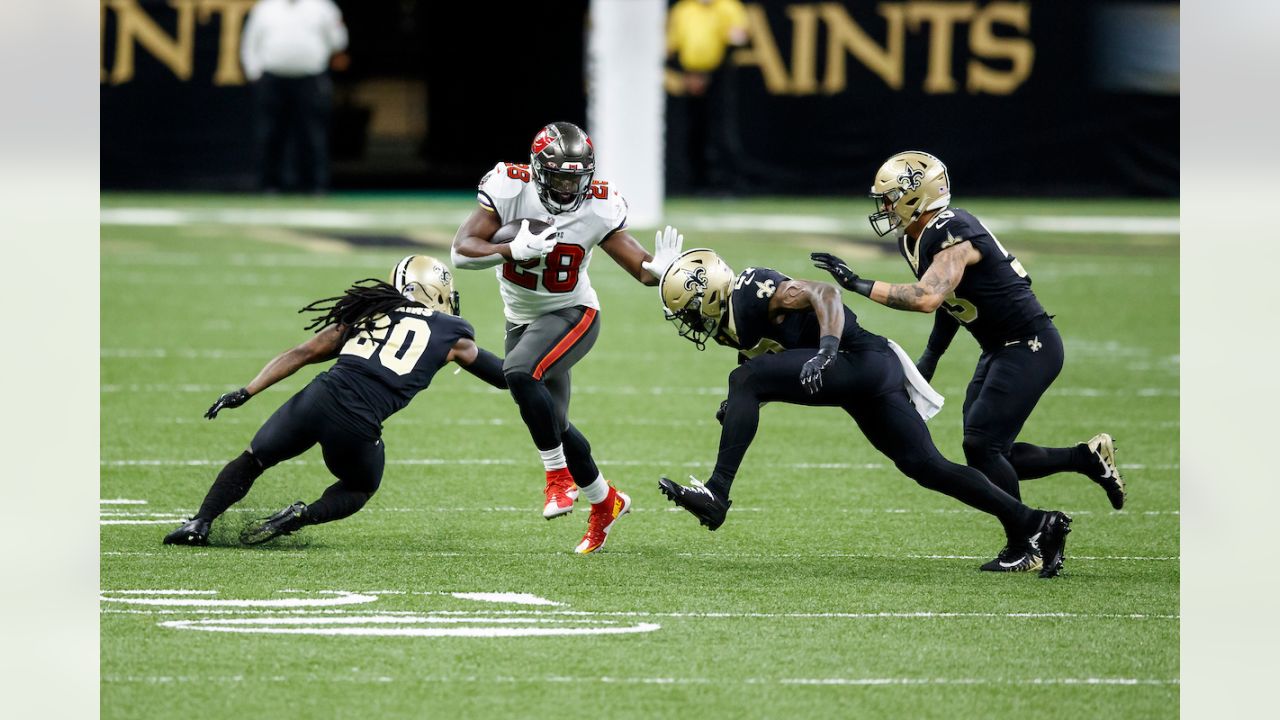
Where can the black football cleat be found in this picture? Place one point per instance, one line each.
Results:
(697, 499)
(285, 522)
(193, 532)
(1052, 540)
(1107, 474)
(1015, 558)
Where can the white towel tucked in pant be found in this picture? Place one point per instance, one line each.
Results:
(927, 400)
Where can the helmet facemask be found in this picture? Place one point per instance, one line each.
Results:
(885, 219)
(692, 325)
(907, 186)
(560, 190)
(428, 281)
(563, 162)
(695, 295)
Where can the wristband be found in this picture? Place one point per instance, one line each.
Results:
(828, 345)
(862, 286)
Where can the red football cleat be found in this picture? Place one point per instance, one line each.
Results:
(560, 493)
(603, 516)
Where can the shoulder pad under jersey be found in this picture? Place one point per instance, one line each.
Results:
(608, 205)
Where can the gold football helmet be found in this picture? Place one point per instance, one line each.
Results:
(695, 294)
(908, 185)
(426, 280)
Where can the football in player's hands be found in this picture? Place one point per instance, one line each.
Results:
(511, 230)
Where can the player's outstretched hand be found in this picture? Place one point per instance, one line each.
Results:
(528, 246)
(228, 400)
(837, 267)
(811, 373)
(667, 246)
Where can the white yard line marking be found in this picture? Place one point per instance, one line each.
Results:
(169, 521)
(122, 501)
(410, 626)
(533, 462)
(631, 390)
(713, 555)
(507, 597)
(627, 680)
(338, 597)
(165, 592)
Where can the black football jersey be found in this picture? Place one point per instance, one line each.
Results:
(749, 329)
(994, 299)
(378, 373)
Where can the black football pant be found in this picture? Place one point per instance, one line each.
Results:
(1006, 386)
(305, 420)
(537, 366)
(869, 385)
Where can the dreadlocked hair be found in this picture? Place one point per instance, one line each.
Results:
(359, 307)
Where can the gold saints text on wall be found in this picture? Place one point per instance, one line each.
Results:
(136, 29)
(998, 61)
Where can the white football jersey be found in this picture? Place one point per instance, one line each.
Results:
(560, 279)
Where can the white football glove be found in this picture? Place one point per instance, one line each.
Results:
(666, 248)
(527, 246)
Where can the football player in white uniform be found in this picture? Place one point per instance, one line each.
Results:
(552, 312)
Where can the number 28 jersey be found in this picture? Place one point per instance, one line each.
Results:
(994, 300)
(378, 373)
(559, 280)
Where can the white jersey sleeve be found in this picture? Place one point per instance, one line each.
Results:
(610, 207)
(501, 188)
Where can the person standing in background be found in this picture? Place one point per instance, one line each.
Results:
(699, 33)
(286, 51)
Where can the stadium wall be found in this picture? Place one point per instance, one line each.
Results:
(1020, 97)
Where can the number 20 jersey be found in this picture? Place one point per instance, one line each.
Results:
(378, 373)
(560, 279)
(994, 300)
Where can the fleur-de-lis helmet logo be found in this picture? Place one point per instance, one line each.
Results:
(910, 178)
(696, 277)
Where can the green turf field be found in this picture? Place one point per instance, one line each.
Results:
(837, 588)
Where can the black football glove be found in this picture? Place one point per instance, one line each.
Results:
(228, 400)
(811, 373)
(843, 274)
(724, 407)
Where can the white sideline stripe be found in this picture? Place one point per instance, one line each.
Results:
(613, 680)
(122, 501)
(739, 222)
(920, 615)
(532, 462)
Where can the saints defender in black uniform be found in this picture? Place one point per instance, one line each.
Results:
(963, 269)
(798, 344)
(390, 340)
